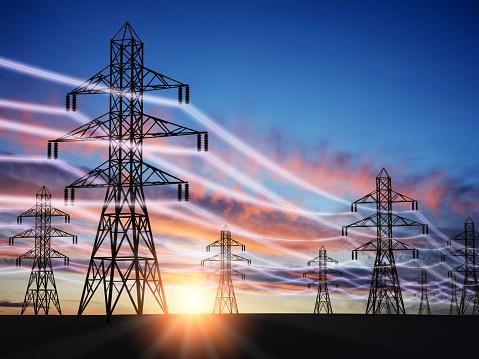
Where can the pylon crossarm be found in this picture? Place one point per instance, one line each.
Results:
(235, 257)
(331, 260)
(322, 281)
(457, 253)
(396, 221)
(322, 270)
(400, 198)
(421, 276)
(217, 272)
(215, 258)
(97, 84)
(234, 243)
(55, 212)
(28, 233)
(234, 272)
(369, 198)
(322, 258)
(216, 243)
(370, 246)
(465, 268)
(92, 131)
(153, 80)
(59, 233)
(28, 255)
(32, 212)
(405, 222)
(312, 271)
(365, 222)
(56, 254)
(156, 127)
(96, 178)
(334, 271)
(462, 236)
(153, 176)
(401, 246)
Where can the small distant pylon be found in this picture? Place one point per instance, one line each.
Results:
(470, 288)
(423, 279)
(385, 292)
(454, 307)
(225, 295)
(41, 289)
(322, 299)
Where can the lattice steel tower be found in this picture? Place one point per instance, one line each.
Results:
(385, 291)
(225, 296)
(41, 289)
(454, 307)
(322, 298)
(124, 256)
(470, 287)
(423, 279)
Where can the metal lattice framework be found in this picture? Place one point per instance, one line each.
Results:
(385, 291)
(225, 296)
(322, 298)
(124, 256)
(454, 307)
(41, 288)
(470, 287)
(423, 280)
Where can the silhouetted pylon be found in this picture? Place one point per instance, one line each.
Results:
(423, 279)
(470, 286)
(225, 296)
(385, 290)
(41, 288)
(124, 258)
(454, 307)
(322, 298)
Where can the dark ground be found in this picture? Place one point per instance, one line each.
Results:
(240, 336)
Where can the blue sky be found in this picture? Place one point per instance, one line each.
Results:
(343, 88)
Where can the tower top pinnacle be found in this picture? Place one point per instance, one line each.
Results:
(126, 33)
(383, 173)
(43, 191)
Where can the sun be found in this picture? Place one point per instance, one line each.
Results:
(196, 302)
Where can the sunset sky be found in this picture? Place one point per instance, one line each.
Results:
(304, 101)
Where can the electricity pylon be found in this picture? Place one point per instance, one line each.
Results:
(322, 298)
(422, 279)
(385, 290)
(41, 289)
(470, 287)
(454, 307)
(225, 296)
(124, 256)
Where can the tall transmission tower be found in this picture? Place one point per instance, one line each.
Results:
(423, 279)
(454, 307)
(41, 288)
(124, 256)
(322, 298)
(470, 287)
(385, 291)
(225, 296)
